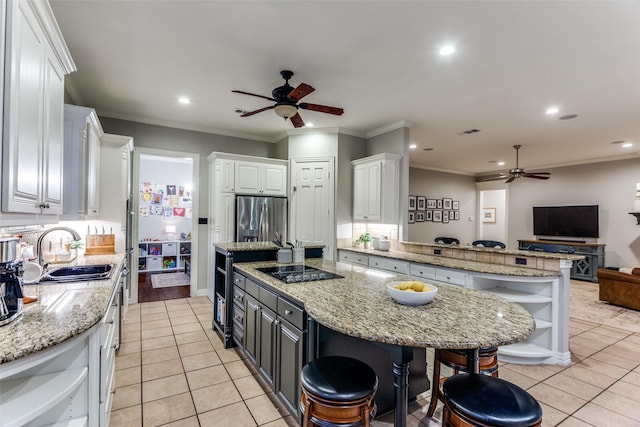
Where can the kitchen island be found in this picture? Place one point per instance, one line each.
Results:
(57, 360)
(357, 305)
(539, 281)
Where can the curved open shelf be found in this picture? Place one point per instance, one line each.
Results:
(519, 296)
(24, 399)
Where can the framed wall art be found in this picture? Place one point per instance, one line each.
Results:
(446, 204)
(456, 215)
(437, 216)
(488, 215)
(421, 203)
(419, 216)
(438, 203)
(455, 205)
(445, 216)
(431, 203)
(412, 217)
(412, 203)
(429, 216)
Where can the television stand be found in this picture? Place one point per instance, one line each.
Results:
(561, 241)
(583, 269)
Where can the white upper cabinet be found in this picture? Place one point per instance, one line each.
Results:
(225, 175)
(82, 134)
(36, 60)
(375, 188)
(260, 178)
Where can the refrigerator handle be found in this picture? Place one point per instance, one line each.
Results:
(263, 226)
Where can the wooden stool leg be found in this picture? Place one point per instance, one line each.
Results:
(435, 387)
(365, 415)
(307, 413)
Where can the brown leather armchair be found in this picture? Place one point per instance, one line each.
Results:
(619, 288)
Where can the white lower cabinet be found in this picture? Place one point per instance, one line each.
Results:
(69, 384)
(353, 258)
(540, 296)
(389, 264)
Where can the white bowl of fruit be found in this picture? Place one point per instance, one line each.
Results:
(412, 292)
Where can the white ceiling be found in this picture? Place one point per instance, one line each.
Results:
(379, 61)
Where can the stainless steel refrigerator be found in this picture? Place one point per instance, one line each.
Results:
(259, 218)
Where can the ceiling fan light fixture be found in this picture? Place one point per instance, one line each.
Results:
(285, 110)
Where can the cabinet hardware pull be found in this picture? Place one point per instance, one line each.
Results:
(288, 312)
(114, 346)
(110, 322)
(113, 391)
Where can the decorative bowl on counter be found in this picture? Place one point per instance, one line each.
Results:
(412, 292)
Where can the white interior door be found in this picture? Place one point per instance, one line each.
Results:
(312, 203)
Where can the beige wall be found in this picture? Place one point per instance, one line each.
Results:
(611, 185)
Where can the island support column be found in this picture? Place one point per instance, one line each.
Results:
(401, 356)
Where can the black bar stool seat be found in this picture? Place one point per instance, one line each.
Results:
(481, 400)
(457, 360)
(337, 391)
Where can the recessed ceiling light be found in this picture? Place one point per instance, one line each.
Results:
(627, 145)
(500, 163)
(184, 100)
(447, 50)
(309, 125)
(412, 146)
(552, 110)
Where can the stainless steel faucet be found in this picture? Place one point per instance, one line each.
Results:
(73, 232)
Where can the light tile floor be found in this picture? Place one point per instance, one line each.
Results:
(172, 370)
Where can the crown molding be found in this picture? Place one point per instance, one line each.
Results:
(329, 130)
(389, 128)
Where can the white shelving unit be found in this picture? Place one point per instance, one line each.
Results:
(168, 255)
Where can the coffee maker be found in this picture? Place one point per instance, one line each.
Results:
(11, 271)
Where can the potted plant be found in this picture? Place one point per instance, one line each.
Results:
(366, 239)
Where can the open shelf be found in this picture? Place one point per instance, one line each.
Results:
(24, 399)
(76, 422)
(518, 296)
(525, 349)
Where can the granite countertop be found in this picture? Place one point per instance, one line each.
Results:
(460, 264)
(507, 251)
(256, 246)
(359, 305)
(63, 310)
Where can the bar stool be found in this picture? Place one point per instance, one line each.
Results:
(457, 360)
(482, 400)
(337, 391)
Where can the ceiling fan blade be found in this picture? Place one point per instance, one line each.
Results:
(301, 91)
(511, 178)
(321, 108)
(537, 175)
(251, 113)
(253, 94)
(492, 178)
(296, 120)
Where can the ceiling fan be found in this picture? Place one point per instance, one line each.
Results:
(286, 101)
(518, 172)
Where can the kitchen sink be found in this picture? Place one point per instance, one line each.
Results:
(79, 273)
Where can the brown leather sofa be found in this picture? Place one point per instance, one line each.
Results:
(620, 288)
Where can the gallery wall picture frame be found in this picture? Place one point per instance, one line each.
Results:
(422, 203)
(411, 217)
(429, 215)
(420, 216)
(431, 203)
(488, 215)
(412, 203)
(446, 204)
(445, 217)
(456, 215)
(438, 203)
(455, 205)
(437, 216)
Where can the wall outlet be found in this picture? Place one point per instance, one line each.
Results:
(521, 261)
(437, 251)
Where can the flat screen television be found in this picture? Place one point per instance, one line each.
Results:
(566, 221)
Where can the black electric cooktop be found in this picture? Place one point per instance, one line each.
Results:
(298, 273)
